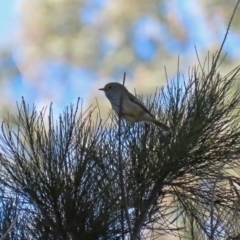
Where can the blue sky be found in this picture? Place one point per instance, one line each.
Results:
(146, 33)
(7, 17)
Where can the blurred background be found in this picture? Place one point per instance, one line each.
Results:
(59, 50)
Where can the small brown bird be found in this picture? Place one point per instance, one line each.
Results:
(128, 106)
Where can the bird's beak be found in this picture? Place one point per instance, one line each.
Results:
(102, 89)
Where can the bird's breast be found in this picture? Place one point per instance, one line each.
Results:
(131, 111)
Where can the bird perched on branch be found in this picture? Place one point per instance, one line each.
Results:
(128, 106)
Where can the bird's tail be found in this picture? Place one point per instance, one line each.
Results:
(161, 125)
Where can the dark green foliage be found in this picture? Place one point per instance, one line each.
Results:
(66, 172)
(75, 178)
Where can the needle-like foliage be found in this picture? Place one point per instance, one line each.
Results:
(79, 178)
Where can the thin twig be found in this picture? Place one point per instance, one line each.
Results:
(123, 200)
(124, 78)
(223, 42)
(213, 199)
(9, 229)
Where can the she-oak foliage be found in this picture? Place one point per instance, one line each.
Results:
(79, 178)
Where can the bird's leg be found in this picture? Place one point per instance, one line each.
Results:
(128, 126)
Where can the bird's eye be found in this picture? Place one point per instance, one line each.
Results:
(110, 87)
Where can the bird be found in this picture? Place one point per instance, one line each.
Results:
(127, 106)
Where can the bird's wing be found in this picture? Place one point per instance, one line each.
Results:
(135, 100)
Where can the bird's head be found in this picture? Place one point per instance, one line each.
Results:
(113, 90)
